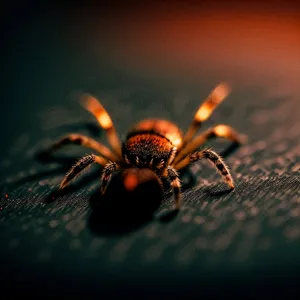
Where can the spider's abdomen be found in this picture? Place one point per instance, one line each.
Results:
(163, 127)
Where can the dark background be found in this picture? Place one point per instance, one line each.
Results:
(152, 60)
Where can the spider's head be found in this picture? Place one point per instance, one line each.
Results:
(148, 151)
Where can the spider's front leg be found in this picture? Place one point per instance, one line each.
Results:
(106, 175)
(214, 158)
(80, 166)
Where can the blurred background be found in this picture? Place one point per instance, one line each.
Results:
(153, 59)
(53, 51)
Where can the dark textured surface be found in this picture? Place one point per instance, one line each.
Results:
(248, 238)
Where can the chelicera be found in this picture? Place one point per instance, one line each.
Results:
(153, 148)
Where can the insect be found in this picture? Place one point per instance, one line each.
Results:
(154, 147)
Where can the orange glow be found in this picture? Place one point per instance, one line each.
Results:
(213, 100)
(175, 139)
(100, 160)
(164, 127)
(220, 92)
(246, 47)
(91, 104)
(231, 184)
(130, 182)
(203, 113)
(104, 120)
(226, 131)
(222, 130)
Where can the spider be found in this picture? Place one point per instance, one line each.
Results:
(153, 148)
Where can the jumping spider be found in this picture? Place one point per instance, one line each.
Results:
(153, 147)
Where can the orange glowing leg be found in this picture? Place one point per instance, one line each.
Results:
(92, 105)
(222, 131)
(79, 139)
(206, 109)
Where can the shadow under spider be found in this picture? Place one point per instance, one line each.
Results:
(119, 211)
(65, 165)
(230, 150)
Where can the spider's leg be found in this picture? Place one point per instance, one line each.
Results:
(204, 111)
(106, 175)
(92, 105)
(79, 139)
(214, 158)
(222, 131)
(175, 183)
(80, 166)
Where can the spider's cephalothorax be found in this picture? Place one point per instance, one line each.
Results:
(151, 144)
(157, 146)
